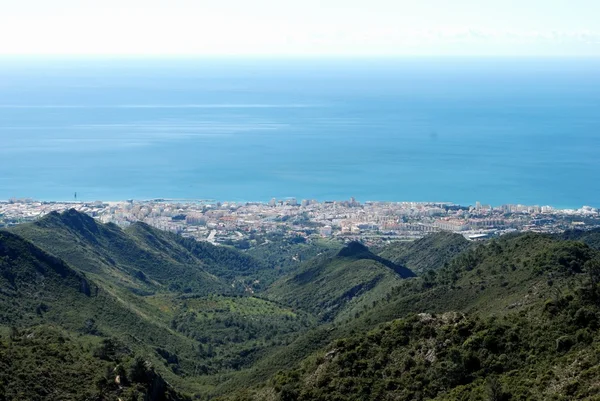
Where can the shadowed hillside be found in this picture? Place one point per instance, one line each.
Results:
(429, 252)
(142, 258)
(514, 318)
(510, 318)
(339, 283)
(38, 360)
(590, 237)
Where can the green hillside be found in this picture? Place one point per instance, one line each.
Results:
(492, 278)
(551, 354)
(514, 318)
(190, 338)
(429, 252)
(143, 259)
(47, 363)
(38, 360)
(590, 237)
(339, 284)
(233, 267)
(284, 254)
(31, 281)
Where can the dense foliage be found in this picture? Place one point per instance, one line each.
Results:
(45, 363)
(531, 334)
(457, 357)
(91, 311)
(340, 283)
(287, 254)
(430, 252)
(590, 237)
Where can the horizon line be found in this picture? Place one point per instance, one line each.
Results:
(290, 56)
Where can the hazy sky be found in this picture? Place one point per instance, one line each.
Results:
(300, 27)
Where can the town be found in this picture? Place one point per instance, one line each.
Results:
(239, 224)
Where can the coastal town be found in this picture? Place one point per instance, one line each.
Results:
(238, 223)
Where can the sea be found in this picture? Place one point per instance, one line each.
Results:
(494, 130)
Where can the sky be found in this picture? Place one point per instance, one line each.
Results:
(300, 27)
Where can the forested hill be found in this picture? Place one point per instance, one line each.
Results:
(52, 321)
(590, 237)
(92, 311)
(143, 258)
(429, 252)
(509, 319)
(339, 284)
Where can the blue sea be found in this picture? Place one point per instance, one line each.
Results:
(419, 129)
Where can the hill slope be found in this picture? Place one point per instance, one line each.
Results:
(352, 279)
(429, 252)
(191, 339)
(39, 293)
(31, 280)
(141, 258)
(285, 254)
(518, 320)
(233, 267)
(590, 237)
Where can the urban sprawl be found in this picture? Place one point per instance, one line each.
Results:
(241, 223)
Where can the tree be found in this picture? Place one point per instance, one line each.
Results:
(592, 267)
(495, 390)
(14, 333)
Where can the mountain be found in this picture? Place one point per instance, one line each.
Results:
(513, 318)
(91, 311)
(346, 281)
(590, 237)
(32, 280)
(495, 277)
(285, 254)
(141, 258)
(429, 252)
(55, 314)
(187, 338)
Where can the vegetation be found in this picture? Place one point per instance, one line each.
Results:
(287, 254)
(143, 259)
(47, 363)
(590, 237)
(90, 311)
(346, 281)
(548, 354)
(430, 252)
(531, 333)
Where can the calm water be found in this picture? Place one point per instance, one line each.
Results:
(498, 131)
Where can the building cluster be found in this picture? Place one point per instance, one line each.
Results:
(231, 222)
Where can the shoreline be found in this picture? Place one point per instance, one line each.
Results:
(209, 201)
